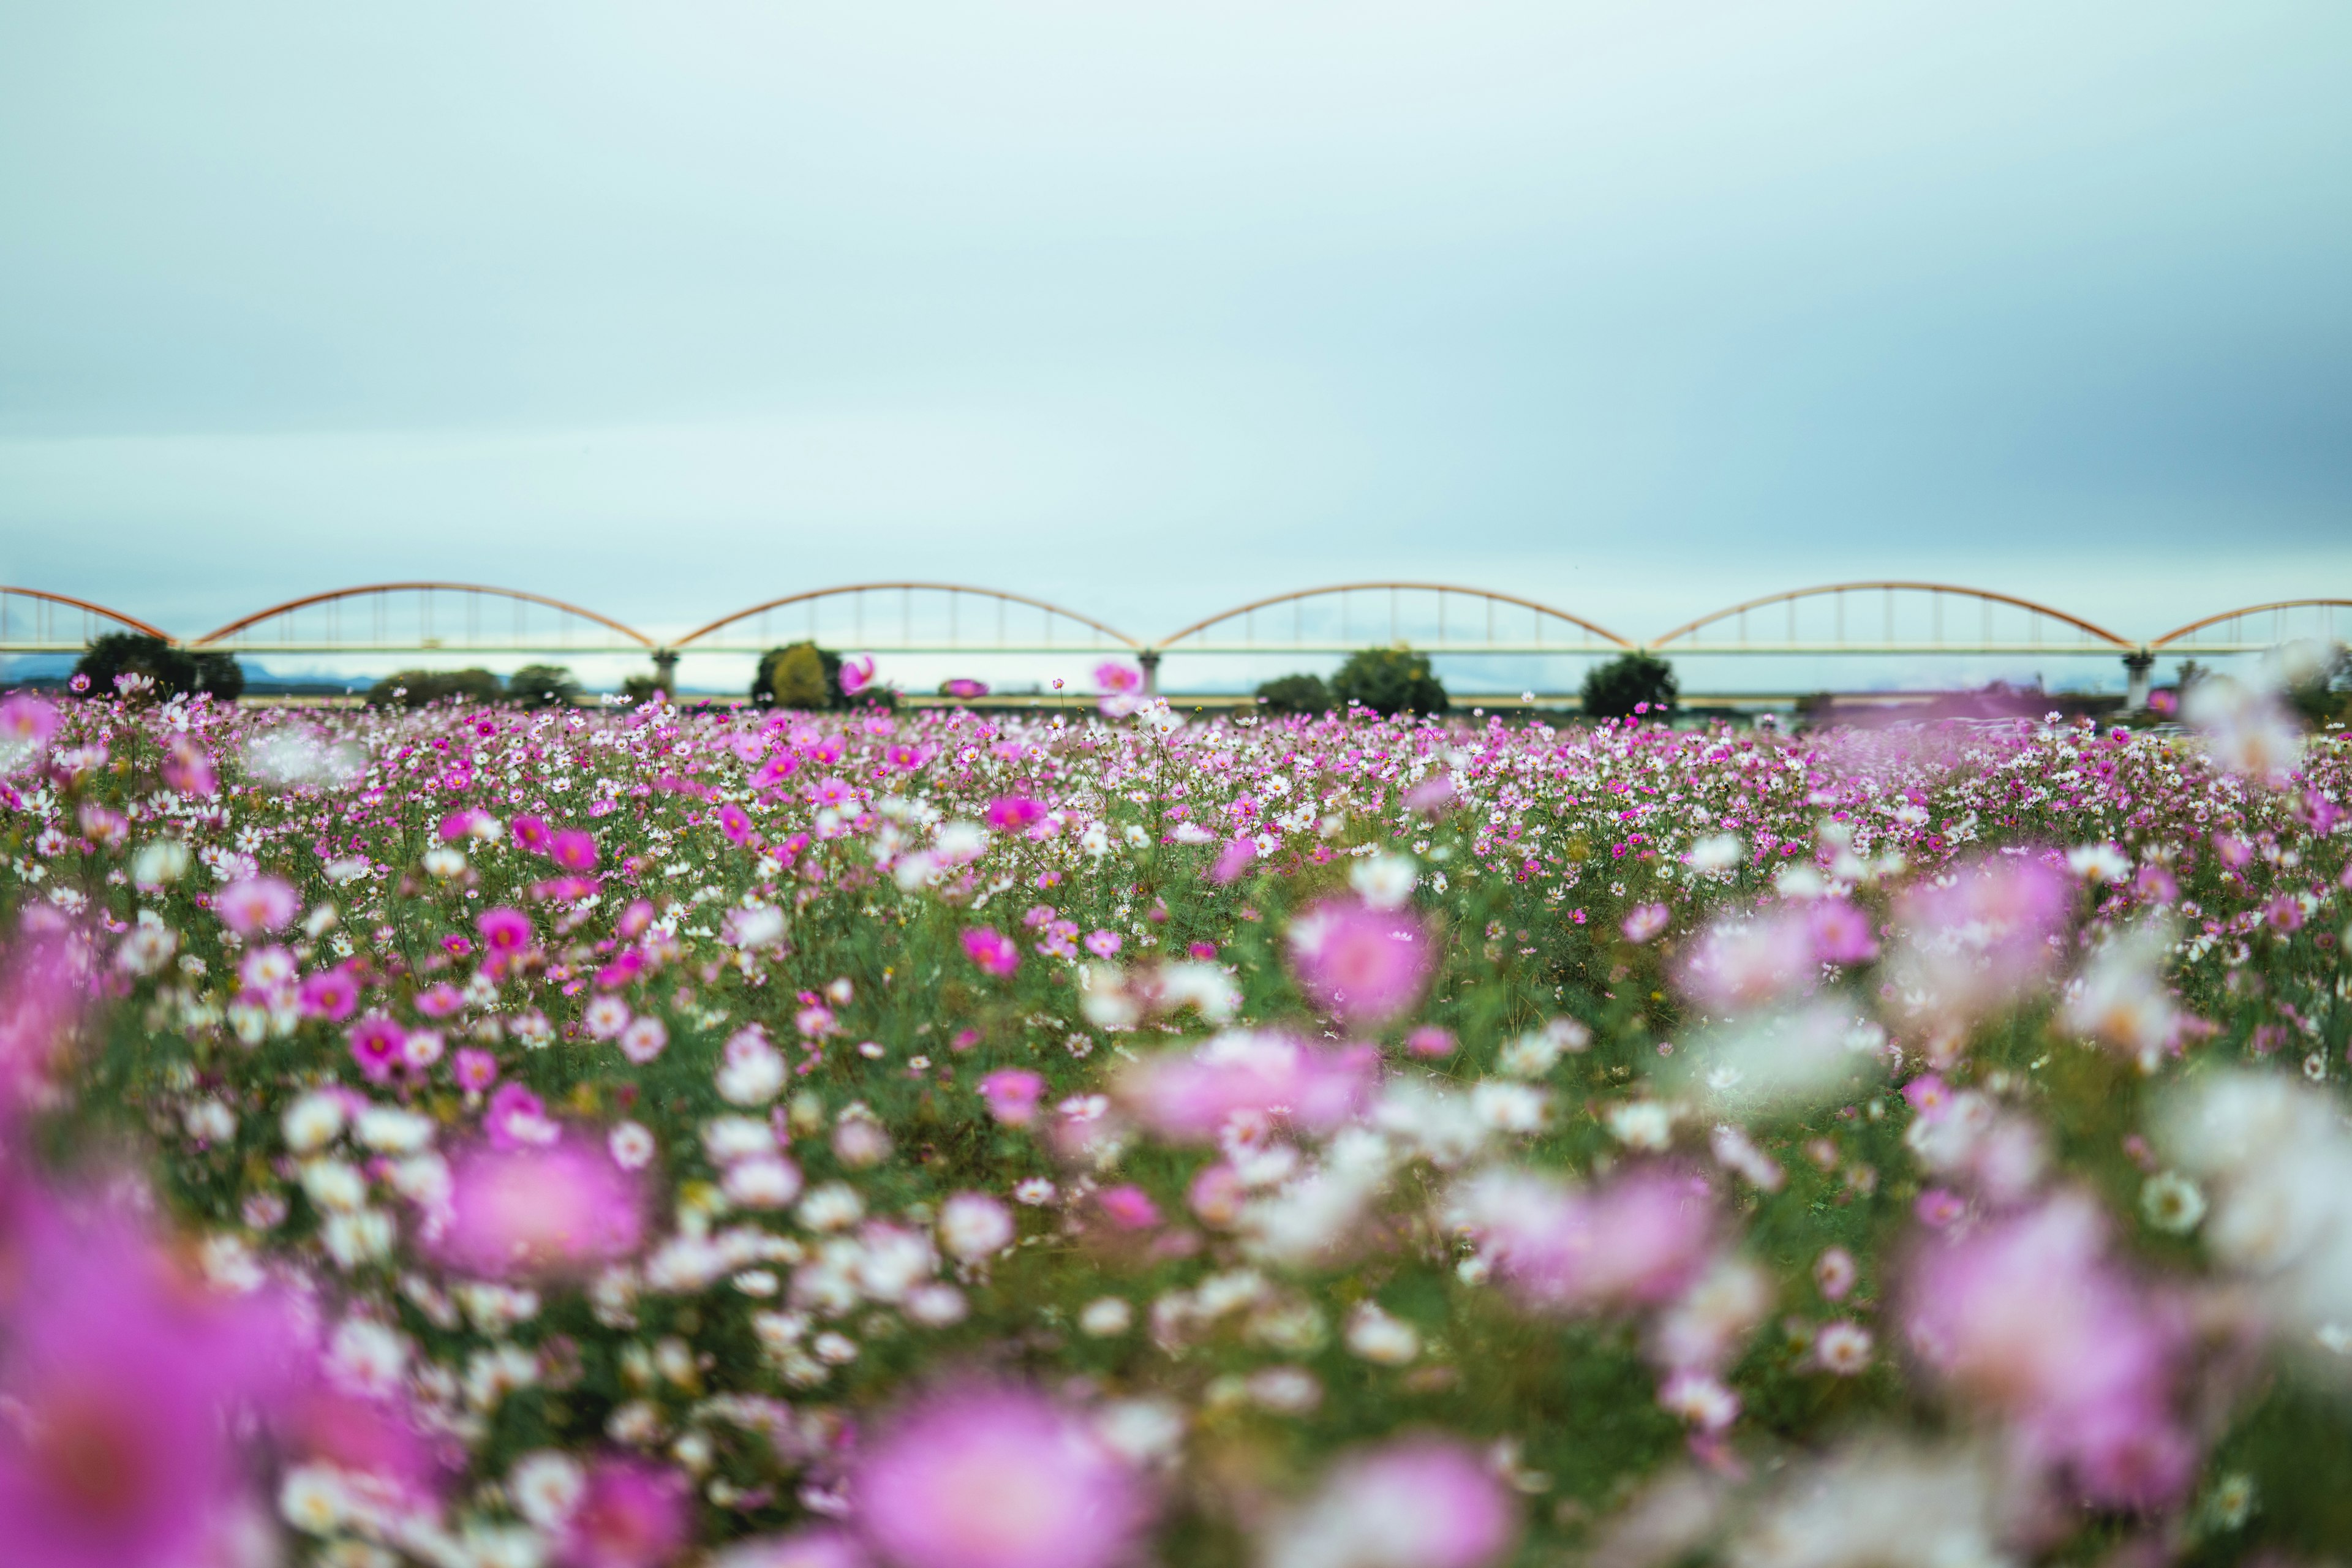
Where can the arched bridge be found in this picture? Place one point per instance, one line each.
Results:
(1889, 618)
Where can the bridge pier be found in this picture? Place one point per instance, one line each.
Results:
(665, 670)
(1149, 660)
(2140, 665)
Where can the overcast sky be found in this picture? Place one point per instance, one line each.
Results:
(1637, 307)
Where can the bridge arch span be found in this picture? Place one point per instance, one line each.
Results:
(1447, 618)
(32, 620)
(2330, 619)
(1836, 617)
(910, 618)
(404, 618)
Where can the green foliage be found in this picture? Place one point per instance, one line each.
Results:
(542, 686)
(1614, 690)
(1296, 694)
(640, 689)
(173, 671)
(419, 688)
(1390, 680)
(802, 675)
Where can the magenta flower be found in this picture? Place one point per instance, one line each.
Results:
(1011, 813)
(735, 822)
(256, 904)
(631, 1514)
(1231, 861)
(1192, 1095)
(1104, 943)
(573, 849)
(1430, 1040)
(1011, 1094)
(121, 1380)
(965, 688)
(547, 1212)
(985, 1477)
(1417, 1502)
(1127, 1207)
(378, 1046)
(1365, 965)
(440, 999)
(856, 674)
(1115, 678)
(820, 1546)
(330, 994)
(516, 1118)
(532, 834)
(505, 931)
(996, 953)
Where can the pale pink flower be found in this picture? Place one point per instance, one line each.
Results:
(256, 904)
(631, 1514)
(1191, 1096)
(983, 1477)
(1741, 964)
(1365, 965)
(1416, 1502)
(1646, 922)
(552, 1211)
(1640, 1240)
(1978, 943)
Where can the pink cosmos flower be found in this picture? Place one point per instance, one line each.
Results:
(1976, 944)
(856, 674)
(1640, 1240)
(549, 1211)
(187, 770)
(1233, 860)
(475, 1069)
(377, 1045)
(964, 688)
(1842, 933)
(1104, 943)
(1647, 922)
(439, 999)
(1416, 1502)
(1430, 1040)
(26, 721)
(2029, 1317)
(735, 822)
(532, 834)
(1365, 965)
(1011, 813)
(1011, 1094)
(506, 932)
(983, 1477)
(1127, 1207)
(1741, 964)
(821, 1546)
(631, 1514)
(256, 904)
(1114, 677)
(772, 772)
(1191, 1096)
(122, 1382)
(460, 825)
(330, 994)
(575, 849)
(996, 953)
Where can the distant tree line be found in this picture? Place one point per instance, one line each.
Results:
(1391, 680)
(173, 671)
(533, 686)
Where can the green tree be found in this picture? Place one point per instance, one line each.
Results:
(1296, 694)
(173, 671)
(417, 688)
(638, 689)
(1614, 690)
(542, 686)
(802, 675)
(1390, 680)
(2322, 693)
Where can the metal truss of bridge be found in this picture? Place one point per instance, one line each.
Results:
(1873, 619)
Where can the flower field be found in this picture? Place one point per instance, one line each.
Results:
(612, 1139)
